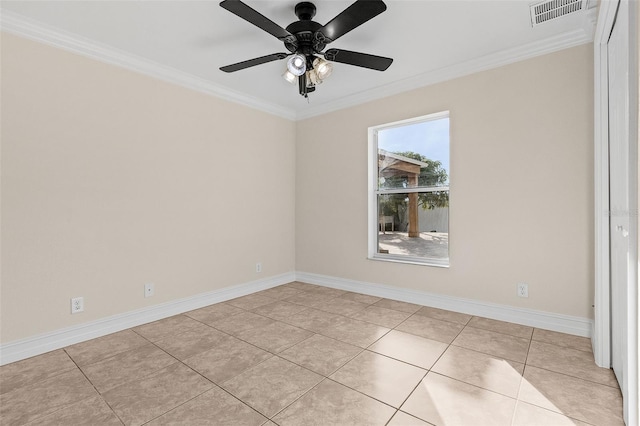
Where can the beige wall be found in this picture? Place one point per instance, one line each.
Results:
(111, 179)
(521, 144)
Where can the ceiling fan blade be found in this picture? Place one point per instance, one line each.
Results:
(251, 15)
(365, 60)
(253, 62)
(353, 16)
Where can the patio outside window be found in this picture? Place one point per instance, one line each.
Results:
(409, 191)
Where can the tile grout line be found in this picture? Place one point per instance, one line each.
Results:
(177, 361)
(204, 377)
(414, 388)
(56, 374)
(501, 332)
(404, 362)
(155, 373)
(94, 387)
(427, 370)
(573, 377)
(368, 396)
(320, 374)
(323, 377)
(272, 355)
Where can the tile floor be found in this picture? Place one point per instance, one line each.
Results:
(300, 354)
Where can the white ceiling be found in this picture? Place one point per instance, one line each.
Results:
(187, 41)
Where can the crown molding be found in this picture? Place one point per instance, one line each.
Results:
(495, 60)
(17, 24)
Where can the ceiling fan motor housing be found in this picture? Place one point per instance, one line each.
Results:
(309, 40)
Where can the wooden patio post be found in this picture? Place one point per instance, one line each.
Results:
(414, 231)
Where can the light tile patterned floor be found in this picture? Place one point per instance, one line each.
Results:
(300, 354)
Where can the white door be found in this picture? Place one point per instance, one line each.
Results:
(620, 208)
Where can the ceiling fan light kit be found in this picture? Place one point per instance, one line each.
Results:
(306, 39)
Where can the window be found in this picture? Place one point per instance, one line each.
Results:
(409, 191)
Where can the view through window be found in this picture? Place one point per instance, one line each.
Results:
(409, 200)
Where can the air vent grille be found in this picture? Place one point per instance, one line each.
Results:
(548, 10)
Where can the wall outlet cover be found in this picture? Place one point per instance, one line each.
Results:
(523, 290)
(77, 305)
(149, 290)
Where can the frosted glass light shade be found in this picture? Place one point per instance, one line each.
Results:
(289, 76)
(297, 65)
(322, 68)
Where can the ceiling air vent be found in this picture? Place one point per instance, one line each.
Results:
(552, 9)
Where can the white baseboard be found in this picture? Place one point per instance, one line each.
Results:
(546, 320)
(36, 345)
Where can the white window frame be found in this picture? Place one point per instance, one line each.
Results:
(373, 192)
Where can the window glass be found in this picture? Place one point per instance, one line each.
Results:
(410, 192)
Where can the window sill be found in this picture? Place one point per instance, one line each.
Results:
(438, 263)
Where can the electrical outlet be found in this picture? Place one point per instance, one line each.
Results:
(523, 290)
(77, 305)
(149, 290)
(258, 267)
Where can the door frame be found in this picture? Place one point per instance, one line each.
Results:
(601, 335)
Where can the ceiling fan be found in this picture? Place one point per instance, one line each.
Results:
(306, 39)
